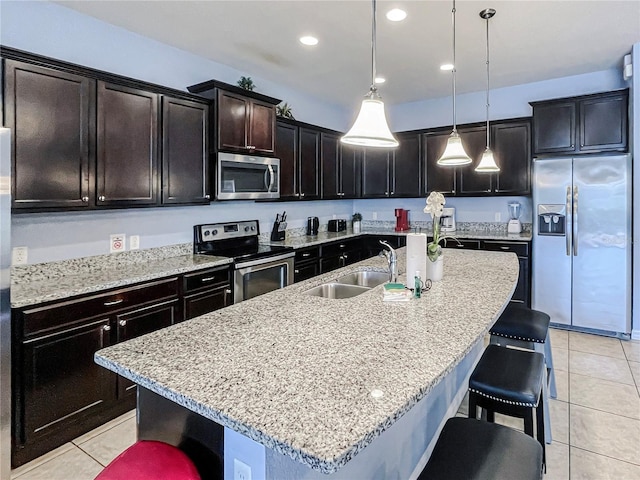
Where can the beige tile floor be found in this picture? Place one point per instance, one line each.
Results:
(595, 419)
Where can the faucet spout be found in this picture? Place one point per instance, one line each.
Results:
(391, 257)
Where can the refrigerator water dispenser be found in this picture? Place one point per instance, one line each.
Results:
(551, 220)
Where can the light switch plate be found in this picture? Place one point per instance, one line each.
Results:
(19, 255)
(498, 217)
(117, 242)
(374, 215)
(134, 242)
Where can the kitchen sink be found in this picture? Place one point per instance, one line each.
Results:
(364, 279)
(336, 290)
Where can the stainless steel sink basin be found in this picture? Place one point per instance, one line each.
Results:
(364, 279)
(336, 290)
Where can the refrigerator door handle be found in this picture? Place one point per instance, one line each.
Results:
(574, 221)
(567, 234)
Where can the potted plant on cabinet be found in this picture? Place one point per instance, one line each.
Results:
(357, 222)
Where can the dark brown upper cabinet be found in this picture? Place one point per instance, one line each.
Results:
(511, 147)
(309, 166)
(585, 124)
(375, 172)
(49, 113)
(406, 167)
(185, 155)
(287, 152)
(127, 146)
(340, 168)
(246, 120)
(470, 182)
(350, 171)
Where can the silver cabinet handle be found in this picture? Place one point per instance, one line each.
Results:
(207, 279)
(85, 199)
(393, 193)
(114, 302)
(575, 221)
(502, 247)
(302, 194)
(106, 328)
(297, 194)
(102, 198)
(567, 234)
(386, 193)
(122, 323)
(307, 254)
(296, 271)
(227, 291)
(207, 196)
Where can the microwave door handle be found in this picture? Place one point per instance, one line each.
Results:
(266, 180)
(272, 178)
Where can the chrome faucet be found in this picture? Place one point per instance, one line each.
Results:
(390, 255)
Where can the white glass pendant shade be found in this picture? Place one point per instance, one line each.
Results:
(454, 154)
(487, 162)
(370, 128)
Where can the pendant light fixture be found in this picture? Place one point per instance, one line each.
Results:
(487, 162)
(454, 153)
(370, 128)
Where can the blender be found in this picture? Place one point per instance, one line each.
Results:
(514, 225)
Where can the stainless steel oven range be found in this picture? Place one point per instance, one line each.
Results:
(258, 268)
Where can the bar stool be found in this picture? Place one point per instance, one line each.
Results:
(469, 449)
(510, 382)
(150, 460)
(523, 327)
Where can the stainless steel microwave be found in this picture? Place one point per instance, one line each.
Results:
(243, 177)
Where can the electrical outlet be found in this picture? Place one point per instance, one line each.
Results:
(498, 216)
(116, 242)
(19, 255)
(334, 216)
(375, 215)
(241, 471)
(134, 242)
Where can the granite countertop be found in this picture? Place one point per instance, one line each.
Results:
(324, 237)
(295, 372)
(80, 281)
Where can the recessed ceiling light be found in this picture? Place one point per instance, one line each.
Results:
(396, 15)
(308, 40)
(380, 80)
(446, 66)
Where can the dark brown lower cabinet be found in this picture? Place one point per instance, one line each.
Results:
(206, 291)
(307, 263)
(522, 293)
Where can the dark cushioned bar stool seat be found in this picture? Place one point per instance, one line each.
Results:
(523, 327)
(150, 460)
(510, 382)
(469, 449)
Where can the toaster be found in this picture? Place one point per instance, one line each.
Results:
(337, 225)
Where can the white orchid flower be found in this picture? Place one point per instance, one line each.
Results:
(435, 204)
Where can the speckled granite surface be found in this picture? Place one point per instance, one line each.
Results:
(295, 372)
(89, 275)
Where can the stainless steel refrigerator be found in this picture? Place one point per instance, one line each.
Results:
(581, 271)
(5, 303)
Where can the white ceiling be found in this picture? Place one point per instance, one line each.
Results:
(530, 41)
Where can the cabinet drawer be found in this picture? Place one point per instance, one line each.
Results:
(339, 247)
(63, 314)
(205, 302)
(306, 254)
(463, 244)
(519, 248)
(206, 279)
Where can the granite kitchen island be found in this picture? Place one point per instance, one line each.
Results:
(293, 374)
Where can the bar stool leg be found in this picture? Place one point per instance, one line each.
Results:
(548, 358)
(541, 423)
(473, 408)
(546, 385)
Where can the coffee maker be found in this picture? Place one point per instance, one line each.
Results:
(448, 220)
(402, 219)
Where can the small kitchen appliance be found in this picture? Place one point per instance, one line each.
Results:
(313, 223)
(514, 225)
(338, 225)
(448, 220)
(257, 268)
(278, 232)
(402, 219)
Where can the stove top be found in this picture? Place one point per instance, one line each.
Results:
(238, 240)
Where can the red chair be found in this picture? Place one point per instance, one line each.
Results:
(150, 460)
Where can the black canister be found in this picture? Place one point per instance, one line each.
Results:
(312, 225)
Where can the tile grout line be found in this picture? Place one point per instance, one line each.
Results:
(603, 455)
(92, 457)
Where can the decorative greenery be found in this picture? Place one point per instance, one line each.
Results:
(284, 110)
(435, 204)
(246, 83)
(357, 217)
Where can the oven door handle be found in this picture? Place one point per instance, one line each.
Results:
(264, 260)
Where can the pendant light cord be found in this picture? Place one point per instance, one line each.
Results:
(373, 48)
(488, 86)
(453, 15)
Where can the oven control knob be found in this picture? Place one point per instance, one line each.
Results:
(253, 228)
(214, 232)
(206, 233)
(246, 229)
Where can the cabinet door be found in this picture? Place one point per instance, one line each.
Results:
(554, 127)
(512, 150)
(49, 115)
(603, 123)
(375, 173)
(287, 152)
(470, 182)
(139, 322)
(330, 154)
(61, 381)
(185, 156)
(306, 270)
(262, 128)
(233, 122)
(309, 163)
(350, 161)
(441, 179)
(205, 302)
(407, 168)
(127, 146)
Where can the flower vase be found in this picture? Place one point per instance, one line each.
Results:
(356, 227)
(435, 269)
